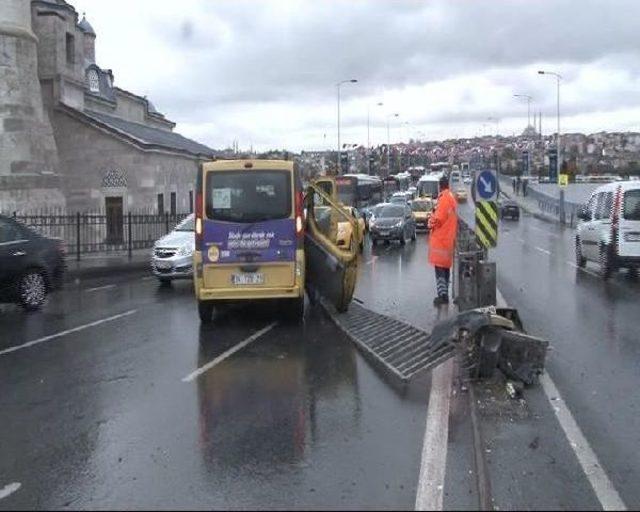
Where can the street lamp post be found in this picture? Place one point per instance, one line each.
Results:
(389, 116)
(558, 78)
(352, 81)
(529, 98)
(497, 121)
(379, 104)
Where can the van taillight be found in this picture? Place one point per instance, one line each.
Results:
(616, 207)
(199, 210)
(299, 215)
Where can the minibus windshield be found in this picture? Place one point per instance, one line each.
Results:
(248, 196)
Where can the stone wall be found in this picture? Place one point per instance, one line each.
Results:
(27, 145)
(97, 165)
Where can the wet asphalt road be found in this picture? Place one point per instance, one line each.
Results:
(595, 335)
(101, 418)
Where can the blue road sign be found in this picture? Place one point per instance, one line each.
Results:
(487, 185)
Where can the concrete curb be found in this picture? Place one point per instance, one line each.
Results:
(119, 269)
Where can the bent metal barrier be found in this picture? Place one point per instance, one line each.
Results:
(331, 272)
(487, 337)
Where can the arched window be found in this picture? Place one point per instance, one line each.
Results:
(94, 82)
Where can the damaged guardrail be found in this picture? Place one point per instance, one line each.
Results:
(493, 338)
(490, 337)
(473, 277)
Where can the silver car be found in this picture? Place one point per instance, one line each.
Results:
(172, 256)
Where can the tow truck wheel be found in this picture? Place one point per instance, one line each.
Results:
(205, 311)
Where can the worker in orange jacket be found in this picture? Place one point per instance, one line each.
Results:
(443, 226)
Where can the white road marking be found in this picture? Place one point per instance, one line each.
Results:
(68, 331)
(602, 486)
(372, 260)
(542, 250)
(98, 288)
(148, 278)
(430, 492)
(8, 490)
(521, 240)
(593, 470)
(195, 374)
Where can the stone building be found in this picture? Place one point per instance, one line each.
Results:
(111, 149)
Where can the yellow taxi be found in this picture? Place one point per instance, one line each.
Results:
(422, 209)
(461, 195)
(345, 235)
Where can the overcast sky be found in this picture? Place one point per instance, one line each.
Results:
(264, 73)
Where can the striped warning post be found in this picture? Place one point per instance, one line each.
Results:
(487, 223)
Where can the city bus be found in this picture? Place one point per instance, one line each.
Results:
(249, 234)
(429, 186)
(439, 168)
(359, 190)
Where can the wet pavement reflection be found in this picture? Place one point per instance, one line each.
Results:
(102, 418)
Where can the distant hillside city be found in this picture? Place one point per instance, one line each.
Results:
(598, 153)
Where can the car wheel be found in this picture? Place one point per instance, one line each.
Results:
(205, 311)
(32, 290)
(581, 261)
(633, 273)
(606, 261)
(414, 236)
(403, 238)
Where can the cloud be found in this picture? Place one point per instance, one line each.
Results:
(228, 62)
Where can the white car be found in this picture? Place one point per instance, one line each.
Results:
(172, 256)
(609, 231)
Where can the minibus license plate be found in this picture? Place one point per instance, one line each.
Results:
(247, 279)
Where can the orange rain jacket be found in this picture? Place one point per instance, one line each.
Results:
(444, 227)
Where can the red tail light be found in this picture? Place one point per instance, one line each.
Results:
(616, 208)
(199, 215)
(299, 215)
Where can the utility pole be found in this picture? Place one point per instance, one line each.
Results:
(352, 81)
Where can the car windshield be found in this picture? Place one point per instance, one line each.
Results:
(187, 224)
(253, 196)
(391, 211)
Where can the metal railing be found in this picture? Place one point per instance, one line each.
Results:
(565, 211)
(101, 232)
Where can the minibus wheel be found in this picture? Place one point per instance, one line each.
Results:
(294, 311)
(205, 311)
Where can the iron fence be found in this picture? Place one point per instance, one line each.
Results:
(101, 231)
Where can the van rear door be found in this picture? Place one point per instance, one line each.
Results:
(629, 239)
(250, 232)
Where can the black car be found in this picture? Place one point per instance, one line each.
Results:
(510, 209)
(393, 221)
(31, 265)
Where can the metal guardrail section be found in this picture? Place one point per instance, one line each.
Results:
(400, 348)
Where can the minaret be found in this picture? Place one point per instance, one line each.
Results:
(28, 153)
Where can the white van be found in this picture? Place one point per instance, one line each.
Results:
(609, 231)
